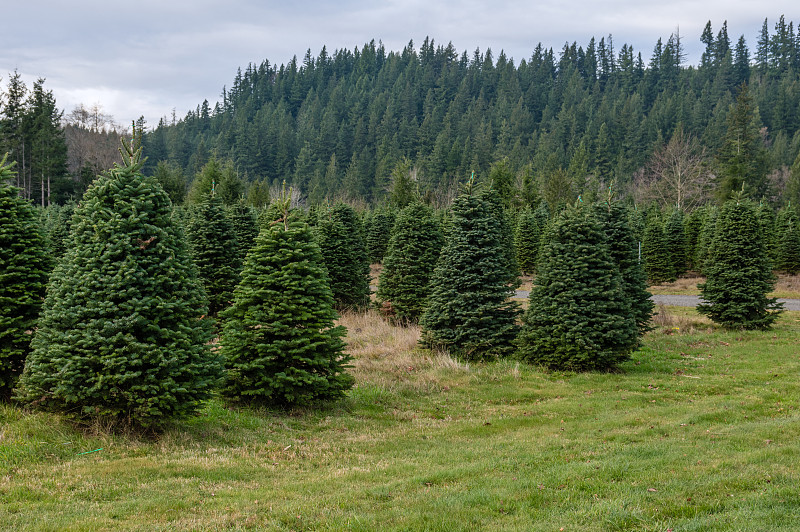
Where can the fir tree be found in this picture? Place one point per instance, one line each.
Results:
(122, 334)
(578, 318)
(787, 244)
(341, 240)
(623, 249)
(24, 268)
(675, 241)
(527, 239)
(691, 232)
(245, 229)
(378, 234)
(279, 338)
(469, 311)
(213, 246)
(706, 237)
(658, 260)
(414, 248)
(739, 274)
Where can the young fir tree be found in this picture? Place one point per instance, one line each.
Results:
(413, 251)
(245, 227)
(469, 311)
(767, 222)
(24, 268)
(378, 233)
(213, 246)
(707, 231)
(658, 260)
(787, 242)
(279, 337)
(341, 240)
(739, 274)
(675, 240)
(624, 251)
(123, 334)
(578, 318)
(527, 238)
(691, 232)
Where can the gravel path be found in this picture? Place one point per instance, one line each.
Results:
(687, 301)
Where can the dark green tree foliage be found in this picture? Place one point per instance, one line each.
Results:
(527, 239)
(122, 334)
(245, 227)
(219, 177)
(24, 268)
(469, 311)
(767, 221)
(738, 272)
(675, 240)
(579, 318)
(279, 337)
(213, 246)
(56, 223)
(657, 257)
(341, 240)
(404, 186)
(407, 269)
(379, 231)
(691, 231)
(787, 242)
(624, 251)
(172, 180)
(707, 231)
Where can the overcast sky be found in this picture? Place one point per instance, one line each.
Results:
(149, 57)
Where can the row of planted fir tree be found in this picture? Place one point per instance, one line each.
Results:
(125, 331)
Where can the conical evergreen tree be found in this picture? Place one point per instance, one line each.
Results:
(378, 234)
(624, 251)
(706, 237)
(675, 241)
(341, 240)
(767, 222)
(691, 232)
(527, 238)
(739, 274)
(657, 257)
(469, 311)
(122, 334)
(578, 318)
(414, 248)
(213, 246)
(787, 244)
(245, 227)
(279, 337)
(24, 268)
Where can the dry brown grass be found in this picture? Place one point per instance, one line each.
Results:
(679, 320)
(788, 286)
(388, 355)
(684, 286)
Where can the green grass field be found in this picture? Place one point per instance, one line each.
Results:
(699, 431)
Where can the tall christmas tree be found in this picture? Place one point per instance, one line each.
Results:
(413, 251)
(469, 311)
(279, 337)
(123, 333)
(738, 271)
(579, 317)
(24, 267)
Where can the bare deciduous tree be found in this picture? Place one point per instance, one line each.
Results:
(677, 174)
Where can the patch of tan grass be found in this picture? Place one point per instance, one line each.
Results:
(684, 286)
(389, 356)
(526, 282)
(679, 320)
(788, 286)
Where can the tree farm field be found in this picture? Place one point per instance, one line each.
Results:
(698, 431)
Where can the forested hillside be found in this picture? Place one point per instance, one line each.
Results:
(563, 122)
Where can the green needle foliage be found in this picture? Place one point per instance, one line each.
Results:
(122, 335)
(675, 240)
(245, 227)
(341, 239)
(738, 271)
(658, 258)
(624, 251)
(469, 311)
(279, 337)
(24, 268)
(413, 251)
(527, 239)
(579, 317)
(379, 231)
(787, 241)
(213, 245)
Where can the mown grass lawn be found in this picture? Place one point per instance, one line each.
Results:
(699, 431)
